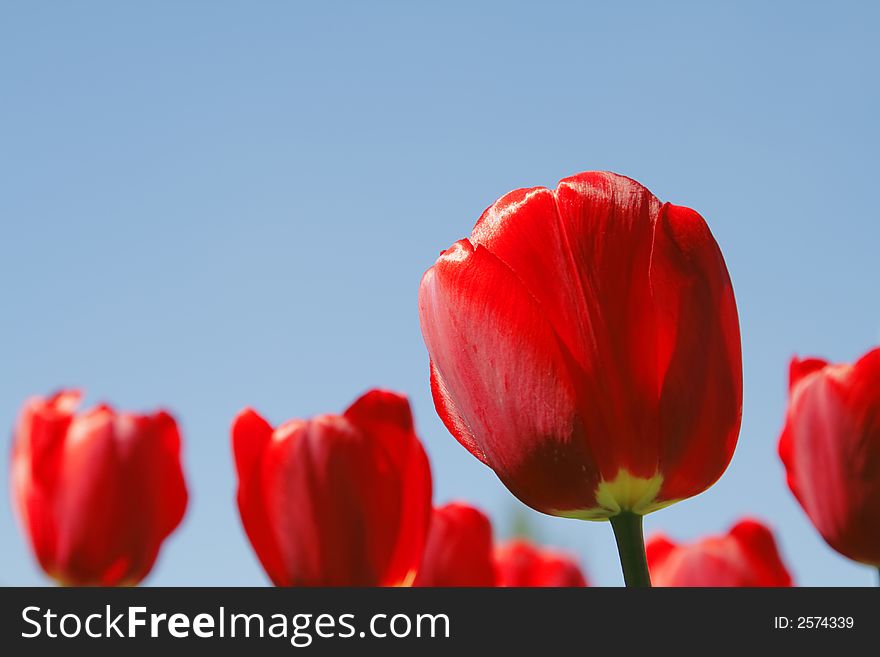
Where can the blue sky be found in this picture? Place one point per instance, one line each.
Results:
(207, 205)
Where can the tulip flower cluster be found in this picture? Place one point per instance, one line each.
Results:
(336, 500)
(584, 344)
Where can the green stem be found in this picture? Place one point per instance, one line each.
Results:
(627, 528)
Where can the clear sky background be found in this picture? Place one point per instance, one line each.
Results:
(207, 205)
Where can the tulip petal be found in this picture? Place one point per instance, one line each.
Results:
(36, 462)
(583, 253)
(524, 231)
(454, 422)
(385, 417)
(88, 511)
(658, 550)
(153, 487)
(251, 435)
(499, 358)
(799, 369)
(48, 421)
(862, 396)
(759, 548)
(309, 501)
(701, 395)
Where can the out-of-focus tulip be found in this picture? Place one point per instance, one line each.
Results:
(97, 492)
(519, 563)
(745, 556)
(584, 344)
(831, 450)
(459, 549)
(337, 500)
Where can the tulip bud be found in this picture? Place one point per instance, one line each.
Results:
(746, 556)
(584, 344)
(459, 549)
(830, 447)
(519, 563)
(98, 492)
(336, 500)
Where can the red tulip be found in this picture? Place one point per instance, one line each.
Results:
(746, 556)
(459, 549)
(98, 492)
(518, 563)
(831, 450)
(584, 344)
(337, 500)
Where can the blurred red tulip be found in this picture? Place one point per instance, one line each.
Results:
(585, 345)
(745, 556)
(459, 549)
(831, 450)
(337, 500)
(519, 563)
(98, 492)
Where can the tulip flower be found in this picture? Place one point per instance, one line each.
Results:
(584, 344)
(459, 549)
(336, 500)
(745, 556)
(830, 447)
(519, 563)
(98, 492)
